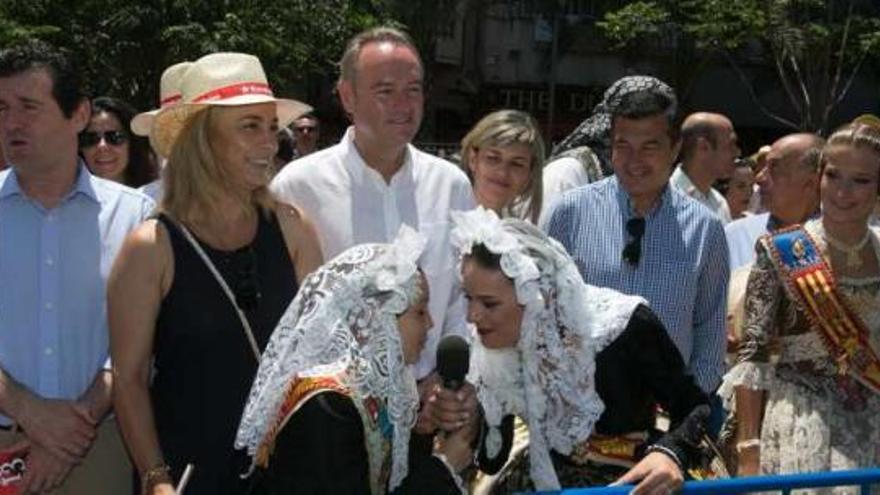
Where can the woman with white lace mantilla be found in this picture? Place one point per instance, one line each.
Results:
(581, 366)
(807, 382)
(335, 397)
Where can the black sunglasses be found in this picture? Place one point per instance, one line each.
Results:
(632, 252)
(87, 139)
(305, 129)
(247, 285)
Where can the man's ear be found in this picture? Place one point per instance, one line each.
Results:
(346, 96)
(704, 145)
(814, 180)
(82, 114)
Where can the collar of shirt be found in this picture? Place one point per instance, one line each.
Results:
(360, 171)
(626, 206)
(83, 184)
(681, 180)
(712, 199)
(774, 223)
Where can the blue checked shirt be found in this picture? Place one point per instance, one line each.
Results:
(683, 270)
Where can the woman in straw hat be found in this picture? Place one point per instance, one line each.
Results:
(195, 293)
(169, 95)
(335, 397)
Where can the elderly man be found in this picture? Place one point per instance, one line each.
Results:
(789, 187)
(60, 228)
(708, 152)
(634, 233)
(789, 190)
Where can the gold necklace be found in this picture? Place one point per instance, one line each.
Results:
(853, 257)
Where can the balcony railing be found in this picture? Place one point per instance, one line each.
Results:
(863, 478)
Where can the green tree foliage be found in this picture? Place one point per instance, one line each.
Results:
(815, 47)
(124, 45)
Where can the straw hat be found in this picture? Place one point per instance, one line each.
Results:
(222, 79)
(169, 94)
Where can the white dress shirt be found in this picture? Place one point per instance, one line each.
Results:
(742, 235)
(351, 203)
(712, 200)
(560, 175)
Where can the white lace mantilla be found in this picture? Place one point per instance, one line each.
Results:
(344, 320)
(548, 379)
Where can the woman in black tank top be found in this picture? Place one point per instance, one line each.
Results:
(196, 292)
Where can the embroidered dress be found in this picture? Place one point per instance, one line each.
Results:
(376, 430)
(814, 418)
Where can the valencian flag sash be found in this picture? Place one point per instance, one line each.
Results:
(811, 285)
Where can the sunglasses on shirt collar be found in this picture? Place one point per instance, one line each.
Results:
(632, 252)
(87, 139)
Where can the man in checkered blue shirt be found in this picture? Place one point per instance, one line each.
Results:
(634, 233)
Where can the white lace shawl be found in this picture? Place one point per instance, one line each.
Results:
(548, 379)
(343, 321)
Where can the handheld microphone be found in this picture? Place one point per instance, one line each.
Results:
(453, 361)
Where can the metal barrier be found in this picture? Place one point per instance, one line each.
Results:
(784, 483)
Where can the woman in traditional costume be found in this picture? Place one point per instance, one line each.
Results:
(335, 397)
(807, 382)
(581, 366)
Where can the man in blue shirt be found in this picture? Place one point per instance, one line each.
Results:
(634, 233)
(60, 228)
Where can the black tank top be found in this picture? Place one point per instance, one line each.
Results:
(204, 364)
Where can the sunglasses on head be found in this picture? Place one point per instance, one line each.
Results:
(632, 252)
(88, 139)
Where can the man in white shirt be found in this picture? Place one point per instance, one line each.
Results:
(708, 151)
(373, 181)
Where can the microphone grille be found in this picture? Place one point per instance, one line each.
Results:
(453, 357)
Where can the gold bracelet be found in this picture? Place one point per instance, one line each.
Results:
(747, 444)
(154, 476)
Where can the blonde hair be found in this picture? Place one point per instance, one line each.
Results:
(856, 134)
(380, 34)
(504, 128)
(194, 180)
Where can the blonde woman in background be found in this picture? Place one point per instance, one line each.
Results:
(503, 156)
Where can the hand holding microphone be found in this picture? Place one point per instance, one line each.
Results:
(454, 402)
(453, 361)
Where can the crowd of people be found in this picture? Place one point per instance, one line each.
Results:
(199, 299)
